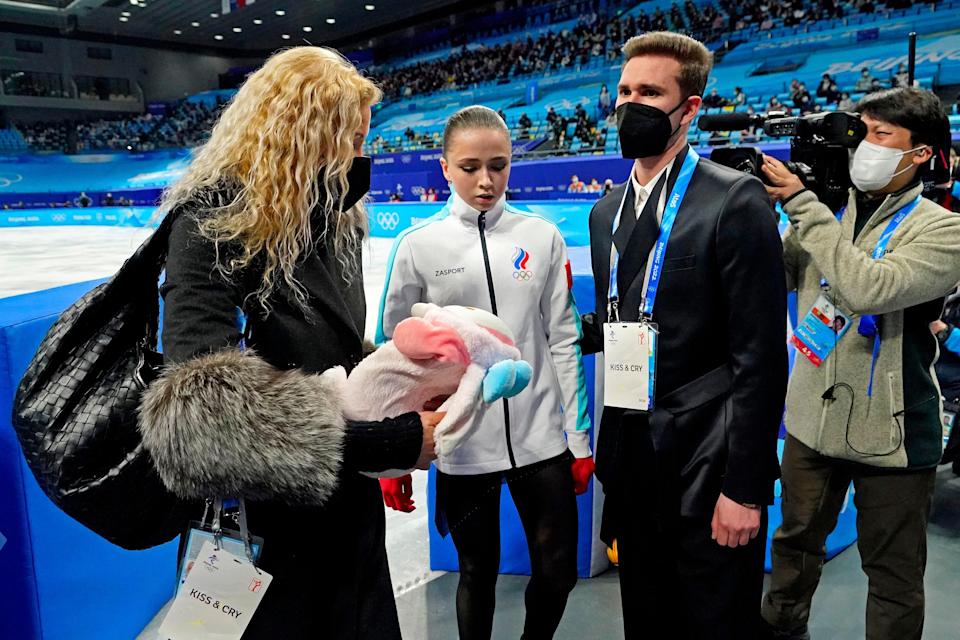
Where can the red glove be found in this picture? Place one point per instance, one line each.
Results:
(582, 469)
(397, 493)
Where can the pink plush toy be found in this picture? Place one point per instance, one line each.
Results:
(465, 353)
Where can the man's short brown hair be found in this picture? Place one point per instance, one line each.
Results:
(694, 58)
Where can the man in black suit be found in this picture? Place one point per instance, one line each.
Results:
(687, 483)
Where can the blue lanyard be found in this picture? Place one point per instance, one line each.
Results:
(660, 249)
(867, 327)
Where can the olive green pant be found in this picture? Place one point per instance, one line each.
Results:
(892, 511)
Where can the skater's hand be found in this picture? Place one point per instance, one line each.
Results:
(734, 524)
(398, 492)
(582, 469)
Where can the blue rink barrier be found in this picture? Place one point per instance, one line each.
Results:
(61, 581)
(388, 220)
(95, 216)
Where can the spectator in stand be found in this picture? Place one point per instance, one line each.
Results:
(775, 105)
(739, 97)
(802, 99)
(875, 86)
(524, 123)
(956, 105)
(749, 134)
(794, 89)
(558, 129)
(502, 115)
(584, 134)
(604, 103)
(410, 134)
(901, 78)
(552, 116)
(824, 87)
(864, 82)
(580, 115)
(833, 94)
(600, 139)
(846, 104)
(714, 99)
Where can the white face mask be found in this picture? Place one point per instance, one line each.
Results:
(873, 166)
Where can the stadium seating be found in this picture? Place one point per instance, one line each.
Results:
(413, 120)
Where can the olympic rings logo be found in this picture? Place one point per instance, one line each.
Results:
(388, 220)
(7, 179)
(523, 276)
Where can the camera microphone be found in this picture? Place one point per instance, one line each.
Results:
(729, 121)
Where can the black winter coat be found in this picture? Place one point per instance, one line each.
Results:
(263, 425)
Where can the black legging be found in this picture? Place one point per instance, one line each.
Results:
(543, 493)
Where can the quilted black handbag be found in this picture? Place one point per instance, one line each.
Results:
(75, 411)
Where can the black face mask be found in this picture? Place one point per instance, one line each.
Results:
(644, 130)
(358, 181)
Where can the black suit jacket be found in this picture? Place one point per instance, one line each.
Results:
(721, 309)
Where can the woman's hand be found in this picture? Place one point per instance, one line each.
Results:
(429, 420)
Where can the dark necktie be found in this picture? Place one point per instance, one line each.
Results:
(648, 218)
(635, 246)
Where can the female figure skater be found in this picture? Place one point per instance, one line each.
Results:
(478, 252)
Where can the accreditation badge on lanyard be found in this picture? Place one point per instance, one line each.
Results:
(630, 348)
(819, 332)
(219, 590)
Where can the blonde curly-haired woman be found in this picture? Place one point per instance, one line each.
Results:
(270, 222)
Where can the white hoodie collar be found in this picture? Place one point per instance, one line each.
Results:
(470, 216)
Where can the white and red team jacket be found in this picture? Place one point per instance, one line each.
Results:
(515, 265)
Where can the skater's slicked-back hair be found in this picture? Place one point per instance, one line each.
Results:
(473, 117)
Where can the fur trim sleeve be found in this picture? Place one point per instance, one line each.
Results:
(230, 424)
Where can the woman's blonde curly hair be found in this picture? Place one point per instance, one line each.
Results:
(285, 141)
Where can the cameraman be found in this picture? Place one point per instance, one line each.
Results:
(864, 405)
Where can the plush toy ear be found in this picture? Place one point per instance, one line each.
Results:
(421, 340)
(500, 379)
(506, 379)
(524, 374)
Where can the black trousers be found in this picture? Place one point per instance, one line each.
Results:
(677, 583)
(543, 494)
